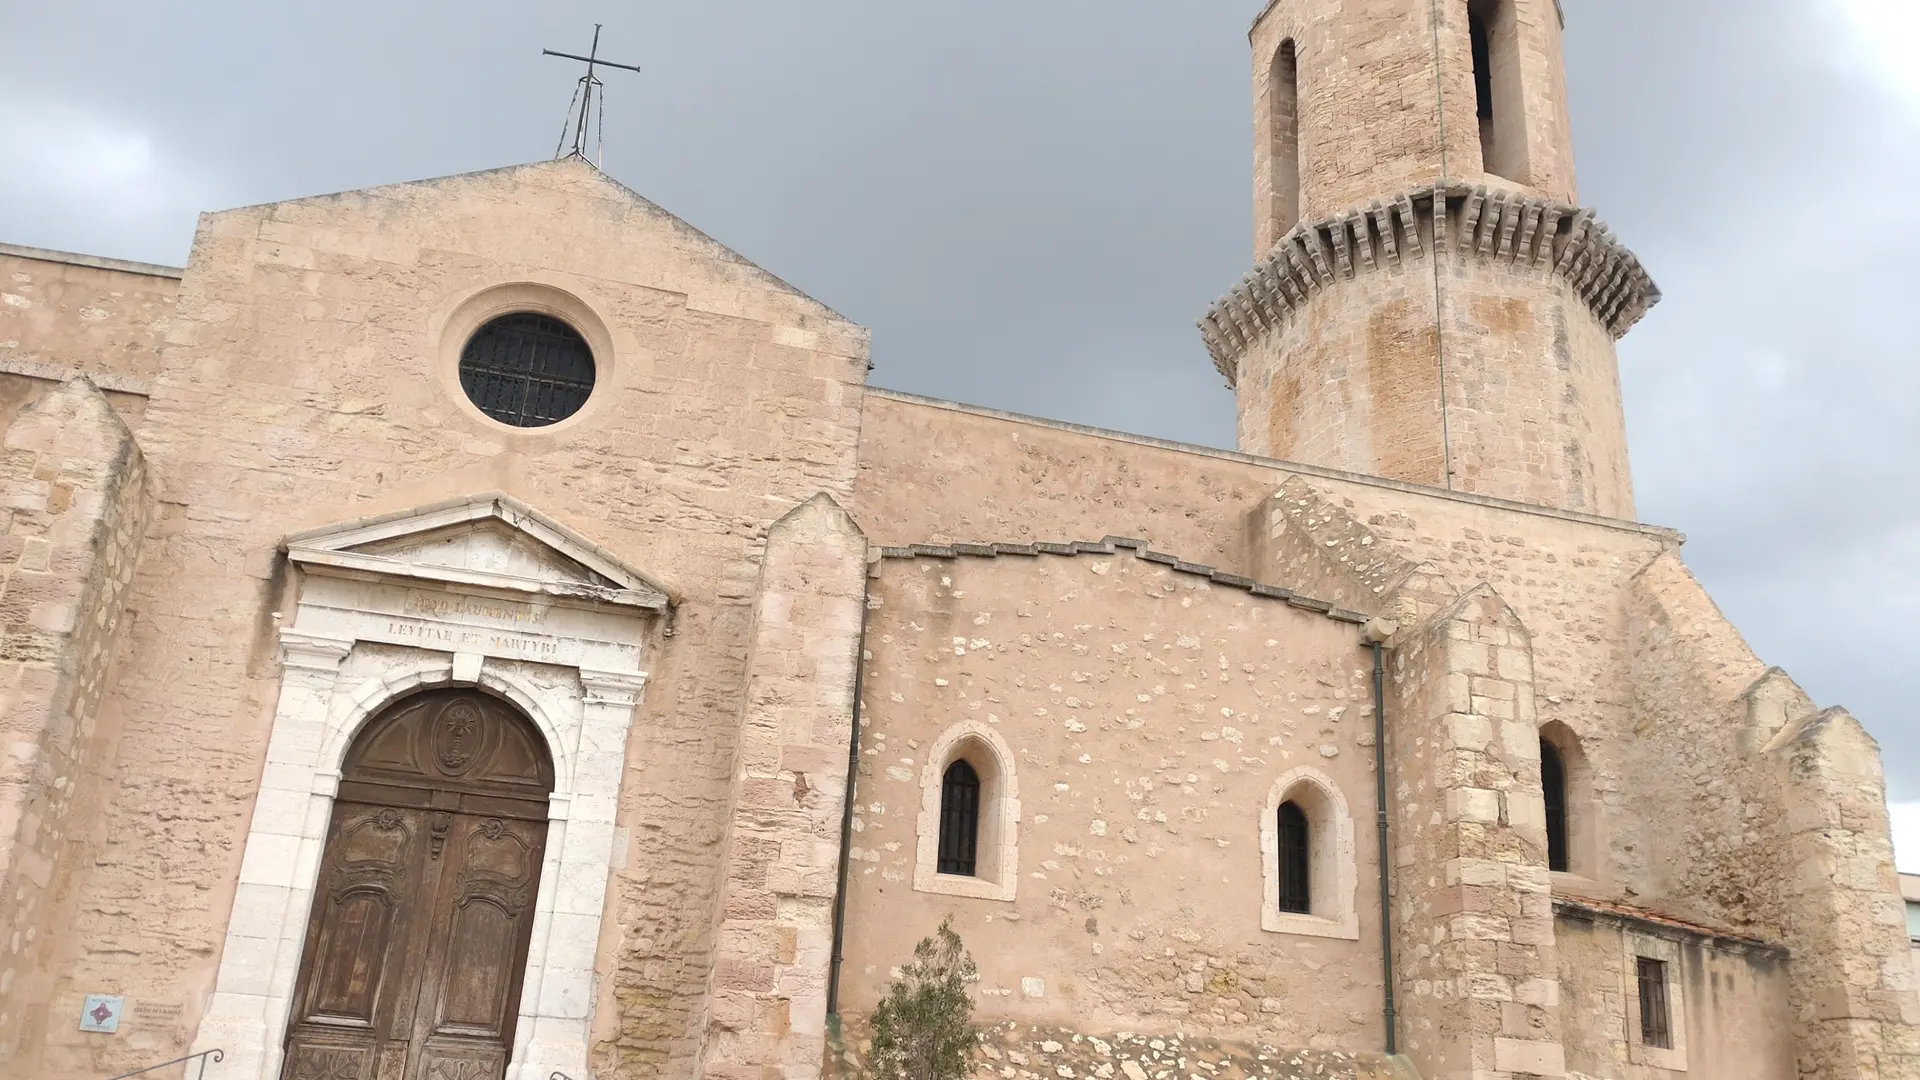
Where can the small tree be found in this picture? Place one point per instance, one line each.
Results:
(921, 1029)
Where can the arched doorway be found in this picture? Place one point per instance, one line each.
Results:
(424, 904)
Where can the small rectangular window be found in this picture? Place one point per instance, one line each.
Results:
(1913, 919)
(1283, 100)
(1656, 1016)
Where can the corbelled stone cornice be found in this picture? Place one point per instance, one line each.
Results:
(1511, 228)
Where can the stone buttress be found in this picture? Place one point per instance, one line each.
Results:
(766, 1010)
(76, 506)
(1473, 904)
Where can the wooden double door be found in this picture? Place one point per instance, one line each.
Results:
(423, 910)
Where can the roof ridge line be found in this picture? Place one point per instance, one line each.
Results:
(1115, 545)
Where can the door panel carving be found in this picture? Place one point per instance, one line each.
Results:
(424, 907)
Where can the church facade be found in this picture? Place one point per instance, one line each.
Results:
(484, 628)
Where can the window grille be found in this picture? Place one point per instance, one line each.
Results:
(527, 370)
(959, 820)
(1296, 894)
(1553, 778)
(1656, 1018)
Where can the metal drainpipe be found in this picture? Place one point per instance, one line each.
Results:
(846, 818)
(1377, 633)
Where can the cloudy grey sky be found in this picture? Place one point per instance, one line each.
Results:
(1029, 201)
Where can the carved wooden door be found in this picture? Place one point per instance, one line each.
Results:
(424, 905)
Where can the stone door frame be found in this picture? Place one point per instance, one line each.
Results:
(545, 619)
(324, 702)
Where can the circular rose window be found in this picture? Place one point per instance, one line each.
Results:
(527, 370)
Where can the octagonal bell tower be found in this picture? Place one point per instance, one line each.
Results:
(1429, 301)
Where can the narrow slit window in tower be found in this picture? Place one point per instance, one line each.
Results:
(1553, 778)
(1283, 96)
(1497, 89)
(1296, 893)
(959, 820)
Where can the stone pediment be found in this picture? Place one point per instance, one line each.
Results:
(492, 542)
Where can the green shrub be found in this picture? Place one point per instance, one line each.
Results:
(922, 1028)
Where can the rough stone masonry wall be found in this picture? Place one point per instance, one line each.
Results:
(302, 385)
(1404, 562)
(934, 472)
(1010, 1050)
(1660, 725)
(1148, 713)
(66, 314)
(63, 315)
(73, 495)
(767, 1007)
(1736, 1022)
(1691, 669)
(1473, 903)
(1856, 1015)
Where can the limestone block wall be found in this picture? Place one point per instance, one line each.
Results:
(935, 471)
(766, 1011)
(1691, 671)
(1855, 1011)
(1910, 892)
(63, 314)
(75, 500)
(1143, 719)
(1730, 1005)
(1473, 903)
(303, 383)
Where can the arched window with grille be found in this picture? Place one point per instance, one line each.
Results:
(959, 820)
(1296, 860)
(969, 825)
(1553, 779)
(1307, 858)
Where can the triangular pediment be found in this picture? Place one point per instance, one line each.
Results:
(492, 542)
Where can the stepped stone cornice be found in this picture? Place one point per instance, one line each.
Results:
(1510, 228)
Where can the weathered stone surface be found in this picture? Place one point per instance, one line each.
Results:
(1142, 648)
(1471, 349)
(1014, 1051)
(78, 501)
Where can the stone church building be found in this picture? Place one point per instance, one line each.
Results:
(484, 628)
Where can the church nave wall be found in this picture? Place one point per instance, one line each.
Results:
(1133, 726)
(63, 315)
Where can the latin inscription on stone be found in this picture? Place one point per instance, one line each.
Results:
(453, 638)
(442, 606)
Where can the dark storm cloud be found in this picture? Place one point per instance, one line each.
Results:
(1029, 202)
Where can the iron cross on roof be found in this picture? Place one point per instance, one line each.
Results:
(586, 98)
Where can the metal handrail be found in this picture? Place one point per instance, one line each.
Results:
(558, 1075)
(204, 1055)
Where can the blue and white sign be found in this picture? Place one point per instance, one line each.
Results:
(101, 1013)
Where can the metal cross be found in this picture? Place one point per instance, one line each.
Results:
(586, 99)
